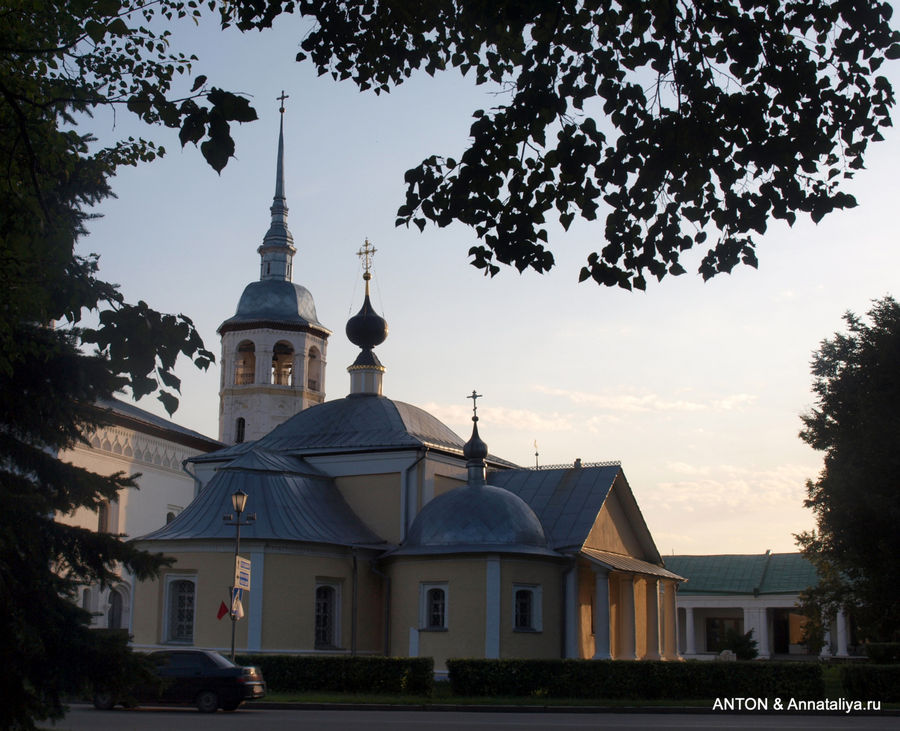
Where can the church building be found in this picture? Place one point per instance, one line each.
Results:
(376, 529)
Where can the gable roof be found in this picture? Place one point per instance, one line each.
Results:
(767, 573)
(130, 416)
(566, 500)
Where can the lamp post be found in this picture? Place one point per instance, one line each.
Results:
(239, 503)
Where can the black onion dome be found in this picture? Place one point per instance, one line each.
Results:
(367, 328)
(475, 448)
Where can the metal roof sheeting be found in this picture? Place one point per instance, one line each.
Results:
(632, 565)
(566, 501)
(767, 573)
(292, 500)
(360, 422)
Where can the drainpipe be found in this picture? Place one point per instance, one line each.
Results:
(184, 467)
(405, 490)
(373, 564)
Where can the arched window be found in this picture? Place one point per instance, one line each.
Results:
(282, 364)
(326, 616)
(245, 364)
(114, 613)
(314, 370)
(180, 626)
(239, 427)
(86, 599)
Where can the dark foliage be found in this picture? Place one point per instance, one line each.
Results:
(871, 682)
(395, 675)
(856, 497)
(605, 679)
(60, 62)
(689, 123)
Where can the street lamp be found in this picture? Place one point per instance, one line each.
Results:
(239, 503)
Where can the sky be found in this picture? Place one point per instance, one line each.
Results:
(696, 387)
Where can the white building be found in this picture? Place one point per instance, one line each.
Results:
(135, 441)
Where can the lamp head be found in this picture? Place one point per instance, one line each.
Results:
(239, 501)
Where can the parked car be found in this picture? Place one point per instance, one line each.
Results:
(199, 677)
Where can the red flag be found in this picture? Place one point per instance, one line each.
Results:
(223, 610)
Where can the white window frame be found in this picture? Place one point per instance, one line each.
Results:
(336, 586)
(424, 588)
(166, 630)
(537, 612)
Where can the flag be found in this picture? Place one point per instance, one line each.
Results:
(237, 609)
(223, 610)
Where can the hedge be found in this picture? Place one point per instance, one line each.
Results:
(347, 674)
(871, 682)
(645, 680)
(883, 653)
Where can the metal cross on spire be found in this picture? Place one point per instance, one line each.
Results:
(475, 396)
(281, 99)
(365, 253)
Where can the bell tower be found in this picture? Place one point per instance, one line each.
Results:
(274, 347)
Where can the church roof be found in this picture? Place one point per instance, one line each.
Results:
(277, 302)
(475, 518)
(293, 501)
(358, 422)
(133, 417)
(566, 500)
(767, 573)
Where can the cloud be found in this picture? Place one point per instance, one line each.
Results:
(499, 417)
(646, 401)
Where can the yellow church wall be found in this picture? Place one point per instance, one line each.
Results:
(375, 499)
(212, 573)
(611, 530)
(533, 572)
(289, 602)
(444, 483)
(465, 580)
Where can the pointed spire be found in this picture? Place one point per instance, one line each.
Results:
(277, 249)
(475, 449)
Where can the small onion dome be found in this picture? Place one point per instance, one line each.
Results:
(367, 328)
(475, 449)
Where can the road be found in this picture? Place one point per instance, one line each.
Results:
(86, 718)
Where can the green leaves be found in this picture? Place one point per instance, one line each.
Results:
(716, 117)
(855, 421)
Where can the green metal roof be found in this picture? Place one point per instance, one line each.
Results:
(767, 573)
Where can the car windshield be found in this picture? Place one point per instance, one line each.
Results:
(222, 662)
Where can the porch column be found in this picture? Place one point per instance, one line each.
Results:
(841, 625)
(669, 621)
(570, 604)
(601, 614)
(690, 639)
(651, 598)
(626, 629)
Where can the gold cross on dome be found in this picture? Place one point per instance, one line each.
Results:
(475, 396)
(365, 253)
(281, 99)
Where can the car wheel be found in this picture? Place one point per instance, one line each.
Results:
(207, 701)
(232, 706)
(104, 701)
